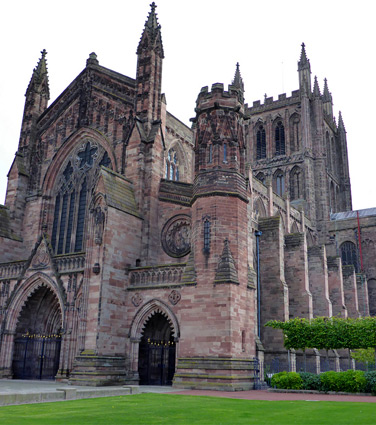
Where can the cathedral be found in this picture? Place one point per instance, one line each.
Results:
(138, 250)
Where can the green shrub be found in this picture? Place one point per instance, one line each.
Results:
(329, 381)
(350, 381)
(287, 381)
(370, 382)
(311, 381)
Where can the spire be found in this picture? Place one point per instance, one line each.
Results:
(151, 37)
(316, 88)
(226, 271)
(303, 62)
(238, 81)
(341, 125)
(327, 96)
(40, 76)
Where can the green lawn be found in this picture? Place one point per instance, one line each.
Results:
(153, 409)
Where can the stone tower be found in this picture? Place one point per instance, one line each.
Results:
(225, 345)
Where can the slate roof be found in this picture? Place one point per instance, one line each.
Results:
(119, 192)
(352, 214)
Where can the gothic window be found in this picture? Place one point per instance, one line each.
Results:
(279, 183)
(334, 155)
(328, 152)
(172, 165)
(294, 133)
(332, 198)
(261, 177)
(349, 255)
(296, 184)
(260, 143)
(78, 176)
(206, 236)
(280, 148)
(210, 158)
(259, 208)
(225, 152)
(372, 296)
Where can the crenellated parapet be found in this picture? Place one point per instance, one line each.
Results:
(219, 129)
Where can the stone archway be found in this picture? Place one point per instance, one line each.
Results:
(38, 336)
(157, 351)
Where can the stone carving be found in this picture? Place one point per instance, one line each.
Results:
(41, 259)
(174, 297)
(176, 236)
(136, 299)
(99, 217)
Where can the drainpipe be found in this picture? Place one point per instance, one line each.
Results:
(258, 235)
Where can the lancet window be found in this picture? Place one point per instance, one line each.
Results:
(280, 146)
(172, 165)
(261, 143)
(296, 184)
(279, 183)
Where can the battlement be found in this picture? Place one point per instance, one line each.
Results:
(219, 98)
(270, 103)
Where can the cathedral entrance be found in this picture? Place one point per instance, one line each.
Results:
(157, 352)
(38, 337)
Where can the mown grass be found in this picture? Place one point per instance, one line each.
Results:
(174, 409)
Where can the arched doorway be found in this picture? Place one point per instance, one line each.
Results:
(157, 350)
(38, 337)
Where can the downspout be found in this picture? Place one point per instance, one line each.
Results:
(258, 235)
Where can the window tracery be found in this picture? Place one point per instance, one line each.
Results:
(74, 184)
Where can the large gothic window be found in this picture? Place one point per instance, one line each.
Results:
(78, 176)
(349, 255)
(172, 165)
(260, 143)
(280, 146)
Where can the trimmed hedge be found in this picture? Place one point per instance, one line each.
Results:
(311, 381)
(287, 381)
(351, 381)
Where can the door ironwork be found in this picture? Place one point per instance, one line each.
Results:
(156, 362)
(36, 356)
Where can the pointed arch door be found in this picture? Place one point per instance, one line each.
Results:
(157, 352)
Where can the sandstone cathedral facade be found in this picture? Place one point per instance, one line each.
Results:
(135, 249)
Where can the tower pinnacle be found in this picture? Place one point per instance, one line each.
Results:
(39, 76)
(316, 88)
(238, 81)
(303, 62)
(327, 96)
(304, 69)
(151, 37)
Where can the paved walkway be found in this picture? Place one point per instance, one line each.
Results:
(22, 392)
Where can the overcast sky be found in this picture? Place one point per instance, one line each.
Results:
(203, 40)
